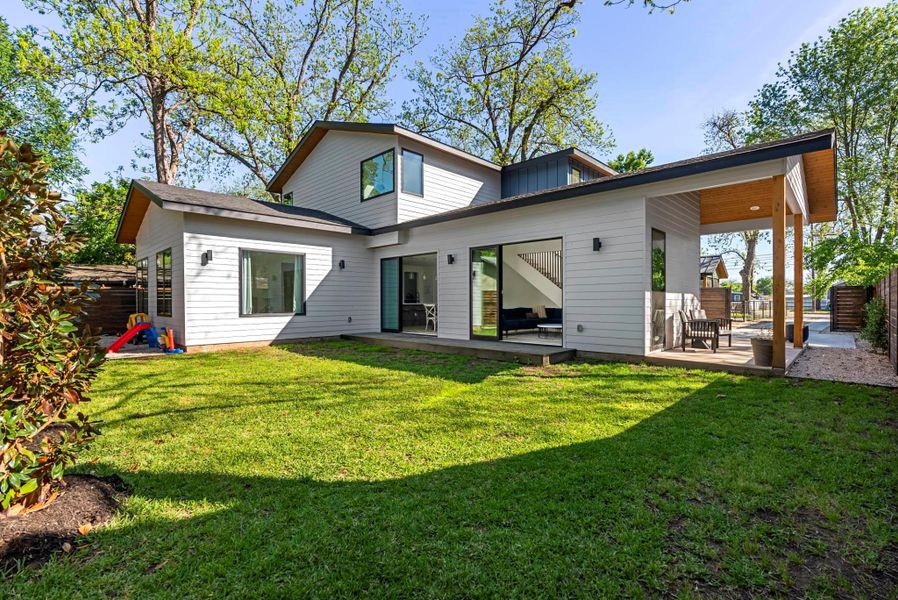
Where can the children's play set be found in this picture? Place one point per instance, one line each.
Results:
(141, 331)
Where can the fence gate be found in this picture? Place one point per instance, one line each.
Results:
(847, 307)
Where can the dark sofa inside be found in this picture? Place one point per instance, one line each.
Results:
(516, 319)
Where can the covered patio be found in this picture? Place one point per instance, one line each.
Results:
(796, 187)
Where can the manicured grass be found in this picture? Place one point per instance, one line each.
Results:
(345, 470)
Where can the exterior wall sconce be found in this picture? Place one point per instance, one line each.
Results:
(341, 264)
(206, 258)
(596, 244)
(450, 258)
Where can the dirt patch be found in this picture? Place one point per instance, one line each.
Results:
(849, 365)
(84, 503)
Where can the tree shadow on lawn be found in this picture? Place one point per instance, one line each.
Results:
(729, 491)
(451, 367)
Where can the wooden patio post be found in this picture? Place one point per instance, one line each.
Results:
(779, 272)
(798, 329)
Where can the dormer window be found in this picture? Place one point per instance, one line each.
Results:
(412, 173)
(378, 175)
(576, 176)
(287, 199)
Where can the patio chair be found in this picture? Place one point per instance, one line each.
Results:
(726, 324)
(706, 330)
(430, 313)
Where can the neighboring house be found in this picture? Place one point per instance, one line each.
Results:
(383, 229)
(712, 271)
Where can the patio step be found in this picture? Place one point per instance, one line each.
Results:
(528, 354)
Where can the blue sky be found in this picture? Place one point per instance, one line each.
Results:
(659, 75)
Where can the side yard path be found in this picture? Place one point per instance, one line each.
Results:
(338, 469)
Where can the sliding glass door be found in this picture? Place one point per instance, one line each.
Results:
(390, 306)
(485, 289)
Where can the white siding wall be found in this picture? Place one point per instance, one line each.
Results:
(678, 216)
(329, 179)
(449, 182)
(162, 229)
(332, 295)
(602, 290)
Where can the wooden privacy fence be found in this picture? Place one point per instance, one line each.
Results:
(847, 307)
(887, 289)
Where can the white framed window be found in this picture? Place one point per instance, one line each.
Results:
(412, 172)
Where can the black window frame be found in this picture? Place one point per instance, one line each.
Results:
(163, 284)
(142, 286)
(287, 199)
(301, 312)
(362, 174)
(402, 183)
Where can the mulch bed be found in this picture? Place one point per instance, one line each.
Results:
(84, 503)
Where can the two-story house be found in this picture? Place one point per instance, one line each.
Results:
(382, 229)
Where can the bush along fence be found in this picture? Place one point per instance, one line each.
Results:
(887, 290)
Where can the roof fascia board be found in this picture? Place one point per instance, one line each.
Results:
(823, 141)
(246, 216)
(150, 195)
(797, 196)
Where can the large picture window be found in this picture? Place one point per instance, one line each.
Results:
(659, 261)
(143, 283)
(272, 283)
(412, 173)
(378, 175)
(163, 283)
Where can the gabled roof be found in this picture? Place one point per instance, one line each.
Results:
(171, 197)
(708, 265)
(801, 144)
(319, 128)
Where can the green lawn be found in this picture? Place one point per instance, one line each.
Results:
(339, 469)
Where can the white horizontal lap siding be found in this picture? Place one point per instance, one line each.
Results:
(160, 230)
(332, 295)
(450, 182)
(678, 216)
(329, 179)
(603, 291)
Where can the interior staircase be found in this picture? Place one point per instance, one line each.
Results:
(548, 263)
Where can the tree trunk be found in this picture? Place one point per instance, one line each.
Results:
(750, 238)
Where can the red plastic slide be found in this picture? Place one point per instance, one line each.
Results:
(117, 344)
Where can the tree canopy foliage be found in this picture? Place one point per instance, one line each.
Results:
(846, 80)
(632, 161)
(507, 90)
(284, 65)
(93, 215)
(30, 108)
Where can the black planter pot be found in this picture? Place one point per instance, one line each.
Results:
(762, 350)
(790, 332)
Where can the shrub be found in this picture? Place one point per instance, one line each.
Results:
(875, 330)
(46, 365)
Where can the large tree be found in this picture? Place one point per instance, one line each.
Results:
(846, 79)
(286, 64)
(507, 90)
(30, 108)
(128, 58)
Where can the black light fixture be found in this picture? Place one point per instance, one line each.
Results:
(206, 257)
(450, 258)
(596, 244)
(341, 264)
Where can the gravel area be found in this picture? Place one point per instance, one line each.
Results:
(851, 365)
